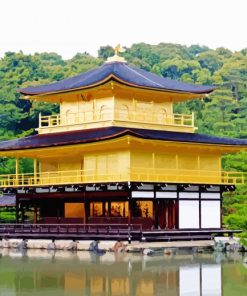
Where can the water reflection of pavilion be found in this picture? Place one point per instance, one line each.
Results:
(113, 274)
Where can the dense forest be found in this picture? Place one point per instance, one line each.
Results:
(222, 113)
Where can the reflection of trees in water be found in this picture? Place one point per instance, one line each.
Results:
(118, 273)
(234, 276)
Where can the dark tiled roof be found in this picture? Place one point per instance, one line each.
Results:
(100, 134)
(119, 71)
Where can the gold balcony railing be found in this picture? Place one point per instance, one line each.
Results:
(133, 174)
(133, 116)
(187, 176)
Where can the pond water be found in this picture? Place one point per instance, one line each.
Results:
(38, 272)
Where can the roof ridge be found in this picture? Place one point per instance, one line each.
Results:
(150, 80)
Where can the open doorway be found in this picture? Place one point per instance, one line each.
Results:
(167, 214)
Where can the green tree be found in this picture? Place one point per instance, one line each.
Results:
(105, 52)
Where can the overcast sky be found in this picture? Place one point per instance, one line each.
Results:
(71, 26)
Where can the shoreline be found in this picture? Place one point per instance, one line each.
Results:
(107, 246)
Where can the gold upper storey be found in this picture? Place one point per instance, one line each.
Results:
(116, 104)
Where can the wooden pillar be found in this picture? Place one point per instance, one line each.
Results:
(22, 213)
(155, 201)
(35, 170)
(129, 214)
(177, 208)
(103, 208)
(17, 170)
(17, 209)
(109, 208)
(193, 119)
(200, 209)
(221, 209)
(174, 214)
(153, 160)
(60, 210)
(94, 110)
(177, 161)
(35, 214)
(114, 111)
(87, 208)
(84, 208)
(130, 210)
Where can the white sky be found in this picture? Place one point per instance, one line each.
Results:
(71, 26)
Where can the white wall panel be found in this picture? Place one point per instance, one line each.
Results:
(142, 194)
(211, 280)
(188, 195)
(161, 194)
(210, 214)
(202, 280)
(210, 195)
(189, 280)
(188, 214)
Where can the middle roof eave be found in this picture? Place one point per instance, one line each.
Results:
(101, 134)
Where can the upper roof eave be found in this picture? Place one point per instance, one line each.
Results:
(121, 72)
(113, 78)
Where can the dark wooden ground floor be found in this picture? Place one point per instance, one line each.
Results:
(97, 208)
(164, 211)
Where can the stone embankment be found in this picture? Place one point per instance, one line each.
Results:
(220, 244)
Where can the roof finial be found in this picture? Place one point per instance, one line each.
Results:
(116, 57)
(118, 49)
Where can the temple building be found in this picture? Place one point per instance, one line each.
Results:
(118, 154)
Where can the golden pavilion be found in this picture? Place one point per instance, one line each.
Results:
(118, 154)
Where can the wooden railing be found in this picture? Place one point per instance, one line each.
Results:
(70, 230)
(131, 116)
(187, 176)
(60, 177)
(133, 174)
